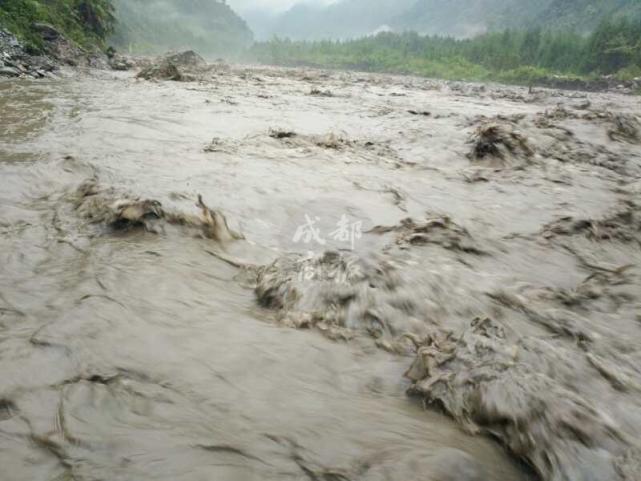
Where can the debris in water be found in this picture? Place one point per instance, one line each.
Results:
(423, 113)
(214, 224)
(216, 145)
(624, 224)
(338, 294)
(316, 92)
(439, 230)
(500, 143)
(625, 128)
(515, 392)
(399, 197)
(136, 212)
(7, 409)
(281, 134)
(102, 206)
(361, 150)
(106, 206)
(332, 141)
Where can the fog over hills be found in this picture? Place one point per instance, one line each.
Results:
(344, 19)
(461, 18)
(150, 26)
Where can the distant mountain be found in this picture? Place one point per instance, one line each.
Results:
(341, 20)
(584, 15)
(464, 18)
(210, 27)
(460, 18)
(468, 17)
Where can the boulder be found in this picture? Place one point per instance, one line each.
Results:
(181, 66)
(187, 59)
(47, 32)
(8, 72)
(120, 62)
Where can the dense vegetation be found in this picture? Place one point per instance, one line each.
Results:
(211, 26)
(585, 15)
(87, 22)
(614, 47)
(142, 26)
(345, 19)
(151, 26)
(465, 17)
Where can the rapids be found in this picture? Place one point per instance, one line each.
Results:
(243, 278)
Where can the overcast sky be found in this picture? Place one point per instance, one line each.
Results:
(274, 5)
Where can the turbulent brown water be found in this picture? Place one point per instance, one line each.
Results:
(358, 238)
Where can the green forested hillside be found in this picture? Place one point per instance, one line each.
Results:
(468, 17)
(143, 26)
(151, 26)
(87, 22)
(522, 56)
(461, 18)
(465, 18)
(585, 15)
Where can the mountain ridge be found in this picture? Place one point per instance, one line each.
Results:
(153, 26)
(459, 18)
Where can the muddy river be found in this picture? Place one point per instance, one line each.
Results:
(280, 274)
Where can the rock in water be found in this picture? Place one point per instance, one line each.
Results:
(179, 67)
(121, 62)
(186, 59)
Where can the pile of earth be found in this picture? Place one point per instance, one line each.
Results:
(183, 66)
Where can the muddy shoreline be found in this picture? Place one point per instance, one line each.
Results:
(245, 274)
